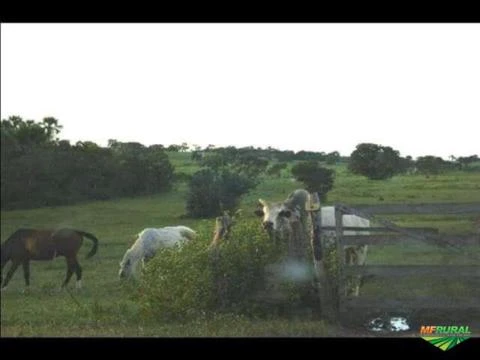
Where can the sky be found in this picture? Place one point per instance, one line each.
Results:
(292, 86)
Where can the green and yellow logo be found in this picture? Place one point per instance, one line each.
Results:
(445, 337)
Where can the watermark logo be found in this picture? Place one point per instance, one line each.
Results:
(445, 337)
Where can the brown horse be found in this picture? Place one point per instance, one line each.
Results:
(44, 244)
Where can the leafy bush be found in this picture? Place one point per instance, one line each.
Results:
(39, 170)
(376, 162)
(211, 192)
(315, 177)
(234, 278)
(432, 165)
(276, 169)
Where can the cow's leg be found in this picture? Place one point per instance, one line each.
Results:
(11, 271)
(349, 260)
(355, 255)
(361, 257)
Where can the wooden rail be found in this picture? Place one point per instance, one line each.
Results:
(446, 271)
(420, 230)
(395, 239)
(440, 208)
(394, 234)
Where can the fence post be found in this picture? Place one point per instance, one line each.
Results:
(340, 258)
(322, 282)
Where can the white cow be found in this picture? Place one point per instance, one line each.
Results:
(148, 241)
(278, 220)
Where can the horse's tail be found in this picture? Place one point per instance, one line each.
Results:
(91, 237)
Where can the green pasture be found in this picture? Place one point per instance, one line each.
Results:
(105, 307)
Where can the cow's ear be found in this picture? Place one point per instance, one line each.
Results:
(262, 202)
(285, 213)
(259, 212)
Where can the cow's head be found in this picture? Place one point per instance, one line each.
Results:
(276, 217)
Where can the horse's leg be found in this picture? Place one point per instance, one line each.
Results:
(1, 272)
(70, 269)
(26, 272)
(78, 272)
(11, 271)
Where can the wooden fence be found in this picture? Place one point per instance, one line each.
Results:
(333, 298)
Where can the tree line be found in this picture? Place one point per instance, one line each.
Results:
(378, 162)
(38, 169)
(269, 153)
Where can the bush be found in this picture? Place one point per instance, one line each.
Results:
(432, 165)
(315, 177)
(211, 192)
(376, 162)
(38, 170)
(276, 169)
(192, 282)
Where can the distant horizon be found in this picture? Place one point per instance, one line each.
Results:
(191, 148)
(104, 144)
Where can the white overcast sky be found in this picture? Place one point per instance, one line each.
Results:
(292, 86)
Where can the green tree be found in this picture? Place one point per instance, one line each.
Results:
(466, 161)
(374, 161)
(210, 192)
(25, 136)
(315, 177)
(38, 169)
(174, 148)
(332, 158)
(430, 165)
(276, 169)
(183, 147)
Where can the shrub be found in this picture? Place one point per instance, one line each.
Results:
(315, 177)
(431, 165)
(195, 281)
(376, 162)
(211, 192)
(276, 169)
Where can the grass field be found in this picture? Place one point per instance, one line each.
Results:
(104, 307)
